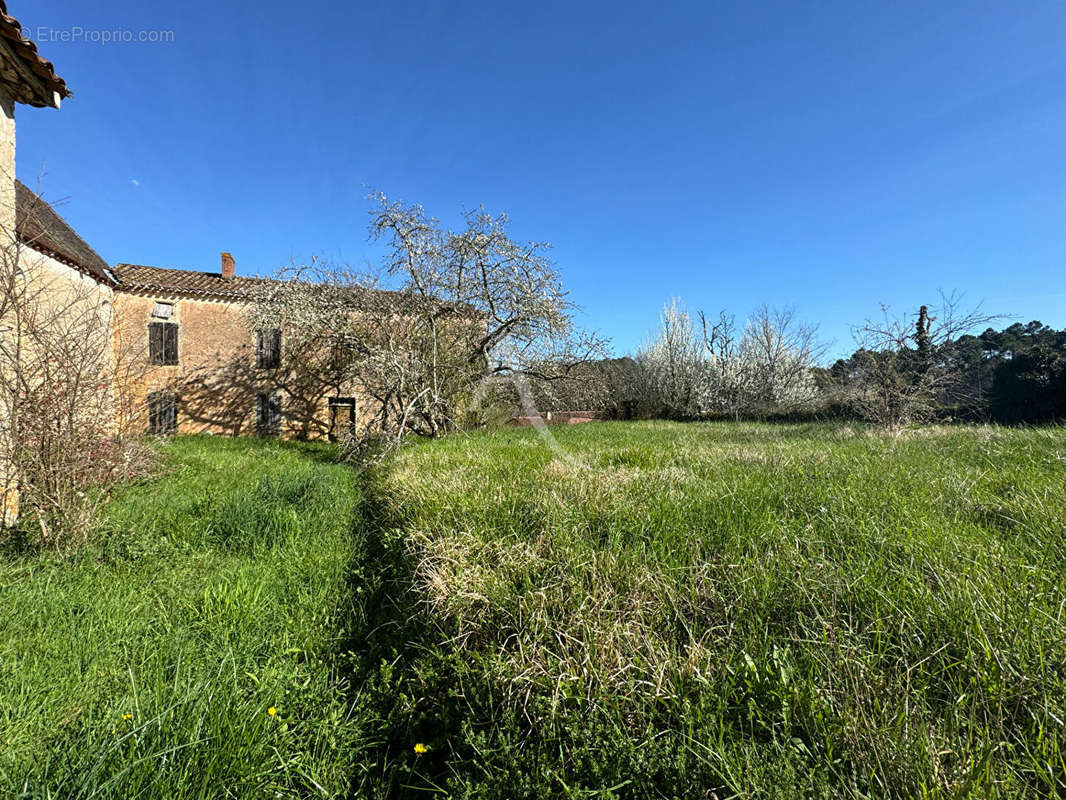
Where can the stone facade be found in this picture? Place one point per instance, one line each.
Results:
(217, 383)
(212, 337)
(9, 500)
(7, 166)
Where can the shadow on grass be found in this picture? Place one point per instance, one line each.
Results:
(390, 659)
(411, 686)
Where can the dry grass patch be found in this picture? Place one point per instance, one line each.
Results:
(840, 612)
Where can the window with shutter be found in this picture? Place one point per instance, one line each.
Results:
(268, 414)
(162, 343)
(155, 342)
(268, 348)
(162, 413)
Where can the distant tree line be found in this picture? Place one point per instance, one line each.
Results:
(1014, 375)
(926, 365)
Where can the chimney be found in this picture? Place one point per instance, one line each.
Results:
(228, 265)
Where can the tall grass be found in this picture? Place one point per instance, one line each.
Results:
(720, 610)
(676, 611)
(147, 664)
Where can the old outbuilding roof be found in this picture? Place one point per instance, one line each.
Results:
(163, 281)
(26, 76)
(138, 277)
(209, 285)
(39, 226)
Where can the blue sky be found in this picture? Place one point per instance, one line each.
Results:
(830, 156)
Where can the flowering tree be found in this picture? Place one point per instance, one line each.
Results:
(675, 367)
(443, 312)
(692, 370)
(775, 360)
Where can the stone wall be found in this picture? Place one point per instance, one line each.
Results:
(9, 503)
(557, 418)
(217, 380)
(7, 167)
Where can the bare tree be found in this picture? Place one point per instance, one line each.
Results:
(905, 370)
(459, 306)
(60, 405)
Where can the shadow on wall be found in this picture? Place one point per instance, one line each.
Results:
(233, 397)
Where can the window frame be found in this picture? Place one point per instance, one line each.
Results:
(342, 402)
(163, 347)
(162, 413)
(268, 348)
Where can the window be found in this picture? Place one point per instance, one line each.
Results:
(342, 416)
(268, 415)
(162, 413)
(162, 343)
(268, 348)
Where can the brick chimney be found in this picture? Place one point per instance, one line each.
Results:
(228, 265)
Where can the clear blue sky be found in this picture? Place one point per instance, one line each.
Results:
(824, 155)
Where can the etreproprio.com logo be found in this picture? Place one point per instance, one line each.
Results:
(76, 34)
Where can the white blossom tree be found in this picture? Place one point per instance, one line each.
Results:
(674, 366)
(691, 371)
(443, 312)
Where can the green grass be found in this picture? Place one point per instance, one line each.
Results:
(718, 610)
(654, 610)
(216, 591)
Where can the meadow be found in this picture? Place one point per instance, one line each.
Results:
(647, 610)
(724, 610)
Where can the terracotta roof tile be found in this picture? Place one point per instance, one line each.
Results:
(211, 285)
(138, 277)
(195, 283)
(26, 51)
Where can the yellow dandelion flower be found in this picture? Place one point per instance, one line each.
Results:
(421, 748)
(127, 717)
(272, 711)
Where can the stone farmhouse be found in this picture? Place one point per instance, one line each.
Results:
(195, 366)
(198, 366)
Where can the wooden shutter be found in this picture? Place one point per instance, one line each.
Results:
(275, 347)
(171, 416)
(162, 343)
(162, 413)
(268, 415)
(155, 342)
(170, 343)
(275, 415)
